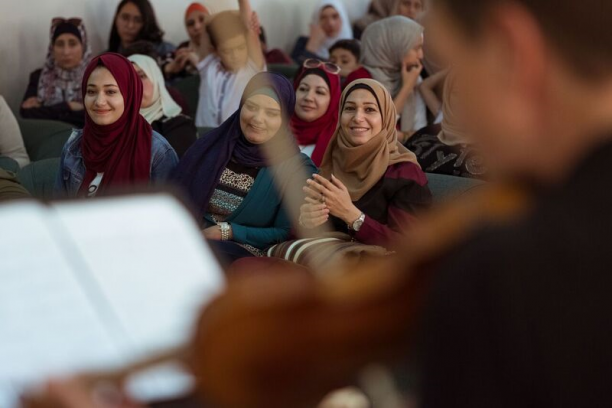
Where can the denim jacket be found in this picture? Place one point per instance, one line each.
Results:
(72, 167)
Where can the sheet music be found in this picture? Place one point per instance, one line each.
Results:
(47, 325)
(97, 284)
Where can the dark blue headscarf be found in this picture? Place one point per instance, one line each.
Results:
(200, 169)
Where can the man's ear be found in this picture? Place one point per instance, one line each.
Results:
(524, 48)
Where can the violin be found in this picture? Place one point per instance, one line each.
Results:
(285, 338)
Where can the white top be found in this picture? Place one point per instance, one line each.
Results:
(11, 141)
(94, 185)
(220, 90)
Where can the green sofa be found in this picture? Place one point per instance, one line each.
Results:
(44, 139)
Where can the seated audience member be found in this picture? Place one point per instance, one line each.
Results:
(135, 20)
(315, 119)
(448, 150)
(378, 10)
(391, 53)
(346, 54)
(10, 189)
(330, 23)
(11, 141)
(413, 9)
(370, 186)
(117, 147)
(229, 180)
(148, 49)
(233, 57)
(179, 64)
(275, 55)
(159, 109)
(54, 92)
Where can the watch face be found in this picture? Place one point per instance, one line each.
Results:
(357, 224)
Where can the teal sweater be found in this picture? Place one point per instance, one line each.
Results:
(261, 221)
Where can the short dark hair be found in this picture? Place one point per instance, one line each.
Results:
(578, 30)
(352, 46)
(150, 28)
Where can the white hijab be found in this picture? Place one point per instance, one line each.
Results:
(346, 31)
(163, 104)
(383, 47)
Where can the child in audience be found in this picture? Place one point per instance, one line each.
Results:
(159, 109)
(11, 141)
(135, 20)
(233, 55)
(391, 53)
(315, 119)
(117, 147)
(179, 64)
(346, 54)
(54, 92)
(330, 23)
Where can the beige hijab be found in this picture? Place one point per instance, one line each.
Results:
(361, 167)
(452, 133)
(383, 47)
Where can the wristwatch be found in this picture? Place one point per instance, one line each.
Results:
(358, 223)
(225, 231)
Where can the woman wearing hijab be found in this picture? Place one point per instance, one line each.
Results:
(391, 53)
(330, 23)
(54, 92)
(159, 109)
(117, 147)
(369, 189)
(229, 181)
(316, 110)
(446, 149)
(180, 65)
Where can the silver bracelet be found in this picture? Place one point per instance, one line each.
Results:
(225, 231)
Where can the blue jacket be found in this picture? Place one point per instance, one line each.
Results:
(72, 168)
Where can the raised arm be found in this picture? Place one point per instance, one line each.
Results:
(251, 22)
(430, 90)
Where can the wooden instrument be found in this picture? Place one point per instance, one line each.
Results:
(285, 339)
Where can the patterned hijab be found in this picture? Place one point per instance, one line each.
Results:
(163, 104)
(360, 167)
(383, 47)
(57, 85)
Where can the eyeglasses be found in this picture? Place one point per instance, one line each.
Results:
(75, 21)
(330, 67)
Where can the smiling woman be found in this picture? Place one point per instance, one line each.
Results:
(54, 92)
(228, 176)
(117, 147)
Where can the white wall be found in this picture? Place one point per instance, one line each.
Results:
(24, 28)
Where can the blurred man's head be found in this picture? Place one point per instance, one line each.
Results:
(229, 37)
(536, 74)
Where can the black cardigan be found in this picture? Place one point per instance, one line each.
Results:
(180, 131)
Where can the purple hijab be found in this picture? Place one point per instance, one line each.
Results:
(200, 169)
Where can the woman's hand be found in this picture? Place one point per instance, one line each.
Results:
(313, 213)
(31, 102)
(410, 75)
(316, 38)
(214, 233)
(335, 196)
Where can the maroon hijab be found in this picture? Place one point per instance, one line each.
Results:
(320, 131)
(121, 150)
